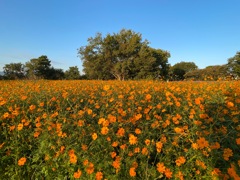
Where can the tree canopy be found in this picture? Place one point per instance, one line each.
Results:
(234, 65)
(209, 73)
(38, 68)
(72, 73)
(14, 71)
(122, 55)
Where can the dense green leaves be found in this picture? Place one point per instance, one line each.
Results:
(72, 73)
(122, 56)
(208, 73)
(178, 71)
(234, 65)
(38, 68)
(14, 71)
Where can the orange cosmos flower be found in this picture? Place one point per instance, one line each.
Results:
(216, 172)
(99, 175)
(145, 151)
(113, 154)
(20, 127)
(101, 120)
(230, 104)
(180, 175)
(36, 134)
(12, 128)
(84, 147)
(77, 174)
(62, 148)
(147, 142)
(138, 131)
(198, 101)
(120, 132)
(73, 158)
(104, 130)
(138, 116)
(181, 160)
(85, 162)
(232, 172)
(2, 102)
(116, 164)
(41, 104)
(112, 118)
(216, 145)
(137, 150)
(32, 107)
(202, 143)
(201, 164)
(90, 168)
(227, 153)
(123, 146)
(148, 97)
(194, 145)
(160, 167)
(94, 136)
(22, 161)
(23, 98)
(80, 123)
(38, 124)
(114, 144)
(6, 115)
(106, 87)
(132, 139)
(238, 141)
(159, 146)
(132, 171)
(168, 173)
(178, 130)
(89, 111)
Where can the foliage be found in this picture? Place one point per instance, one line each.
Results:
(14, 71)
(72, 73)
(119, 130)
(178, 70)
(38, 68)
(234, 65)
(209, 73)
(122, 56)
(55, 74)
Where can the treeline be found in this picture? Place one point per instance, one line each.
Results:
(123, 56)
(38, 68)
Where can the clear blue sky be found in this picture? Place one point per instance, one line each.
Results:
(206, 32)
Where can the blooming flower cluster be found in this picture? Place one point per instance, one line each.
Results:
(119, 130)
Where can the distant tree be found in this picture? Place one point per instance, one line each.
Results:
(234, 65)
(178, 70)
(55, 74)
(14, 71)
(216, 72)
(122, 56)
(38, 68)
(72, 73)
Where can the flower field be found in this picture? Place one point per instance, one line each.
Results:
(119, 130)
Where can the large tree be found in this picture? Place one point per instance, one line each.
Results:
(234, 65)
(14, 71)
(122, 55)
(178, 70)
(39, 68)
